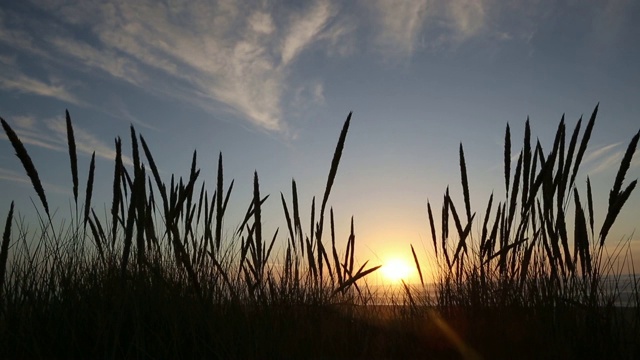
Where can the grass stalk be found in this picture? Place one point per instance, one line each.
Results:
(27, 163)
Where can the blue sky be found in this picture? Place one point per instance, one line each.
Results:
(269, 83)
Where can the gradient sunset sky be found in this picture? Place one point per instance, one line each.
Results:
(270, 83)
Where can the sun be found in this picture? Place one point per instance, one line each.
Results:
(396, 270)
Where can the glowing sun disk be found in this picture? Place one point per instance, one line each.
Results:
(396, 270)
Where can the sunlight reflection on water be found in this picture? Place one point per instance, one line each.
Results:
(620, 290)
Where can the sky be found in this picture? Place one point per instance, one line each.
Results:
(270, 83)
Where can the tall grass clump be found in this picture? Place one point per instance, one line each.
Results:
(160, 274)
(156, 276)
(538, 258)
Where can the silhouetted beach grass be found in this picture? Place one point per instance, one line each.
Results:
(156, 278)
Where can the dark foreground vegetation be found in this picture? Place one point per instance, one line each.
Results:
(156, 278)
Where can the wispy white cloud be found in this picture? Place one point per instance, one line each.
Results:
(602, 151)
(231, 55)
(467, 17)
(311, 93)
(106, 60)
(407, 24)
(303, 29)
(36, 138)
(261, 22)
(403, 27)
(118, 109)
(608, 162)
(10, 175)
(13, 78)
(26, 84)
(25, 121)
(401, 22)
(18, 37)
(31, 132)
(339, 37)
(607, 158)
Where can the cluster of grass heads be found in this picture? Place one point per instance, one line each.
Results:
(526, 266)
(156, 278)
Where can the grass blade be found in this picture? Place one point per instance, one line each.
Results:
(491, 240)
(352, 280)
(336, 259)
(219, 209)
(135, 152)
(614, 210)
(514, 192)
(581, 237)
(156, 176)
(25, 159)
(504, 250)
(590, 204)
(570, 152)
(4, 250)
(352, 243)
(89, 190)
(456, 218)
(462, 243)
(465, 184)
(227, 196)
(483, 237)
(128, 235)
(560, 169)
(445, 227)
(249, 214)
(257, 218)
(433, 229)
(562, 232)
(617, 199)
(583, 144)
(117, 194)
(415, 259)
(524, 268)
(97, 236)
(507, 158)
(332, 172)
(73, 157)
(288, 219)
(297, 224)
(624, 167)
(526, 162)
